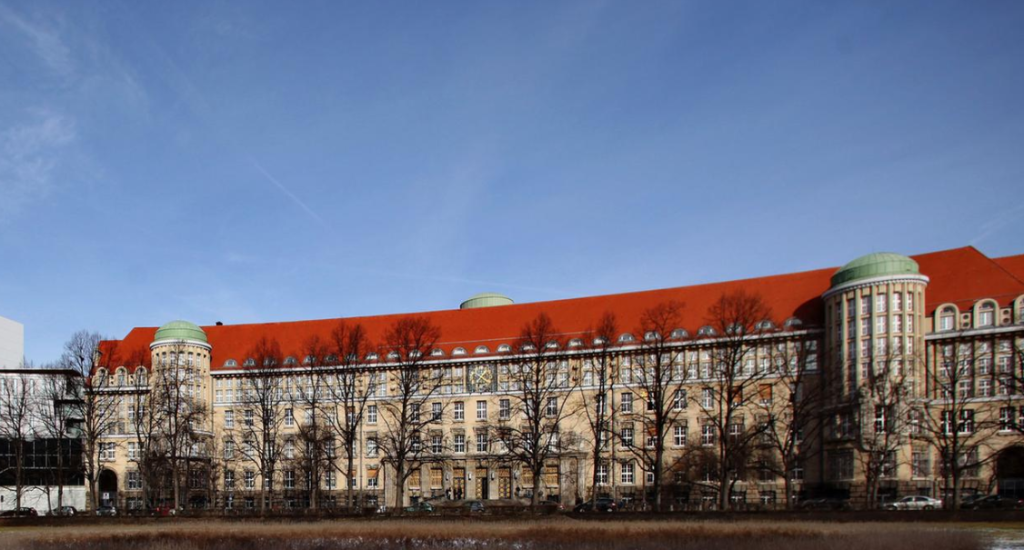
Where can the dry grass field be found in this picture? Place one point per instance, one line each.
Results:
(540, 534)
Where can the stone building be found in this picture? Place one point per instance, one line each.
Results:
(890, 376)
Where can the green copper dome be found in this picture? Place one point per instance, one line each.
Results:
(879, 264)
(486, 299)
(180, 330)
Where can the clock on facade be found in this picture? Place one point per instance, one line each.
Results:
(481, 378)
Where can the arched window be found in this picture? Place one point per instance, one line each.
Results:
(551, 345)
(250, 362)
(372, 356)
(101, 377)
(947, 319)
(626, 337)
(230, 363)
(679, 334)
(575, 343)
(392, 356)
(986, 315)
(141, 377)
(459, 351)
(504, 348)
(482, 349)
(437, 352)
(290, 361)
(651, 335)
(706, 330)
(793, 322)
(765, 325)
(122, 376)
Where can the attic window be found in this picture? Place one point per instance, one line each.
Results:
(551, 345)
(706, 330)
(230, 363)
(627, 337)
(459, 351)
(575, 343)
(679, 334)
(528, 347)
(415, 353)
(250, 362)
(269, 362)
(651, 336)
(307, 361)
(765, 325)
(600, 341)
(504, 348)
(482, 349)
(437, 352)
(372, 356)
(793, 322)
(393, 355)
(290, 360)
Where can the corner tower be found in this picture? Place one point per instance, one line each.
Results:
(181, 357)
(874, 311)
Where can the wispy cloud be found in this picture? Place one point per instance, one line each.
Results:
(997, 223)
(45, 41)
(29, 156)
(277, 183)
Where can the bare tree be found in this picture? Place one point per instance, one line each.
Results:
(739, 324)
(17, 407)
(350, 388)
(597, 389)
(883, 408)
(794, 417)
(262, 408)
(949, 419)
(657, 372)
(58, 417)
(99, 408)
(407, 343)
(144, 424)
(540, 386)
(316, 436)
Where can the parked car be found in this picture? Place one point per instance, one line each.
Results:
(421, 506)
(996, 502)
(65, 511)
(603, 504)
(474, 506)
(23, 512)
(825, 504)
(106, 511)
(915, 503)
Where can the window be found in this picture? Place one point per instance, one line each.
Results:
(679, 435)
(966, 421)
(436, 443)
(627, 473)
(481, 441)
(504, 409)
(897, 301)
(249, 417)
(602, 473)
(1006, 419)
(250, 480)
(947, 320)
(986, 315)
(459, 443)
(108, 451)
(481, 410)
(626, 436)
(229, 419)
(627, 402)
(984, 388)
(551, 409)
(707, 435)
(134, 480)
(679, 400)
(330, 479)
(133, 450)
(459, 411)
(229, 480)
(706, 398)
(435, 412)
(880, 302)
(371, 414)
(289, 418)
(229, 449)
(371, 447)
(919, 463)
(289, 479)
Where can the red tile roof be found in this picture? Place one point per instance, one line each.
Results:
(961, 276)
(1013, 264)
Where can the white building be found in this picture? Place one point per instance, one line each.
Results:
(12, 343)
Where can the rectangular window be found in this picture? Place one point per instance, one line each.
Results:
(481, 441)
(504, 409)
(229, 480)
(602, 473)
(371, 414)
(436, 445)
(229, 419)
(289, 479)
(1006, 419)
(880, 302)
(627, 471)
(250, 480)
(626, 436)
(551, 409)
(481, 410)
(134, 480)
(966, 421)
(371, 447)
(707, 398)
(865, 305)
(459, 443)
(897, 301)
(459, 411)
(679, 435)
(707, 435)
(679, 400)
(626, 402)
(435, 412)
(249, 418)
(289, 418)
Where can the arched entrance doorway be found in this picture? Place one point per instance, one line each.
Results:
(107, 487)
(1010, 472)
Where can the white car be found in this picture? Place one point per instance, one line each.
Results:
(915, 503)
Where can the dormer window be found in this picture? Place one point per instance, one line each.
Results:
(415, 353)
(626, 338)
(290, 361)
(392, 356)
(765, 325)
(230, 363)
(482, 349)
(679, 334)
(793, 322)
(459, 351)
(706, 330)
(437, 352)
(599, 341)
(307, 361)
(651, 336)
(986, 314)
(528, 347)
(947, 319)
(504, 348)
(250, 362)
(372, 356)
(575, 343)
(551, 345)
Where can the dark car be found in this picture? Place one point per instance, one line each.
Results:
(106, 511)
(421, 506)
(825, 504)
(64, 511)
(600, 505)
(474, 506)
(23, 512)
(997, 502)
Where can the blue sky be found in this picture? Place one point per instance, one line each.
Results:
(246, 161)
